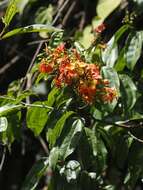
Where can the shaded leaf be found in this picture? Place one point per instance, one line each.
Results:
(35, 174)
(129, 92)
(71, 138)
(133, 50)
(54, 133)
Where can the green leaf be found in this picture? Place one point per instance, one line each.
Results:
(110, 54)
(3, 124)
(37, 117)
(30, 29)
(54, 157)
(54, 133)
(12, 9)
(98, 149)
(121, 62)
(4, 110)
(133, 50)
(52, 96)
(129, 92)
(110, 74)
(35, 174)
(135, 168)
(13, 129)
(71, 138)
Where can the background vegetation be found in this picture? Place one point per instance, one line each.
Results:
(50, 138)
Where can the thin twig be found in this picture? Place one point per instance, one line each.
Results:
(68, 13)
(8, 65)
(28, 104)
(60, 11)
(3, 158)
(135, 138)
(45, 148)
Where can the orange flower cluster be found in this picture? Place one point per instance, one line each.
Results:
(69, 69)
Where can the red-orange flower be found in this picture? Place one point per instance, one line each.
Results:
(69, 69)
(100, 28)
(109, 94)
(87, 92)
(45, 68)
(93, 71)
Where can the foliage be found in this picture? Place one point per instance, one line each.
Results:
(89, 121)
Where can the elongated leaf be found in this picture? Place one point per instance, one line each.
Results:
(54, 157)
(12, 9)
(9, 108)
(133, 51)
(35, 174)
(30, 29)
(52, 96)
(12, 131)
(54, 133)
(3, 124)
(121, 62)
(37, 118)
(110, 54)
(71, 139)
(128, 93)
(98, 149)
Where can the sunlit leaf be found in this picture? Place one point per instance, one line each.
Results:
(12, 9)
(37, 118)
(9, 108)
(3, 124)
(30, 29)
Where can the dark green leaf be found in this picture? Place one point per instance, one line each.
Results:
(35, 174)
(71, 138)
(129, 92)
(54, 133)
(133, 50)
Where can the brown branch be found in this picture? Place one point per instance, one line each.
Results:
(70, 10)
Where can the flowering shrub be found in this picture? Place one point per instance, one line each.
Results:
(79, 108)
(69, 69)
